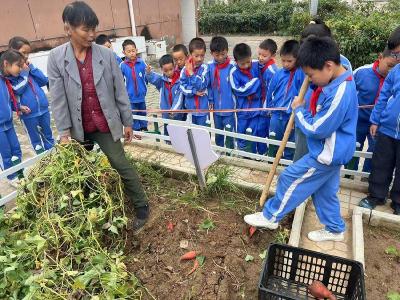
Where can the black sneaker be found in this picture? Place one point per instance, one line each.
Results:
(142, 215)
(371, 203)
(396, 208)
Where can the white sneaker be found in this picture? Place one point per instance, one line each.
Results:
(324, 235)
(258, 220)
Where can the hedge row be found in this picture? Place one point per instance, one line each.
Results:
(361, 30)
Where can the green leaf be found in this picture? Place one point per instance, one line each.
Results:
(201, 259)
(392, 250)
(249, 258)
(207, 224)
(76, 193)
(113, 229)
(36, 240)
(263, 254)
(393, 296)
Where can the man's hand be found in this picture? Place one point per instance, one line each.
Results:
(373, 129)
(128, 134)
(25, 109)
(65, 139)
(201, 94)
(296, 103)
(189, 66)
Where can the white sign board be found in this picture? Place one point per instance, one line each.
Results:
(180, 142)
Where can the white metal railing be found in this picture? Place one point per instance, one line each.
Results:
(223, 150)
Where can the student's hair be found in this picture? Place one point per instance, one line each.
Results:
(241, 51)
(315, 29)
(394, 39)
(17, 42)
(101, 39)
(11, 56)
(165, 60)
(316, 51)
(218, 44)
(197, 44)
(128, 42)
(179, 48)
(79, 13)
(269, 45)
(290, 47)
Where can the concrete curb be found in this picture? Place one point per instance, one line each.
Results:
(297, 224)
(358, 234)
(373, 218)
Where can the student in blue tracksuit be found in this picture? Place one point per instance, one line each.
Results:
(134, 71)
(266, 59)
(220, 91)
(385, 128)
(28, 87)
(284, 86)
(330, 128)
(319, 29)
(246, 86)
(11, 62)
(103, 40)
(180, 54)
(194, 82)
(369, 81)
(171, 97)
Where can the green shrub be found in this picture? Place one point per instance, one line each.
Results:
(246, 16)
(361, 37)
(361, 31)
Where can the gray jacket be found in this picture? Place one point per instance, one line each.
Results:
(66, 91)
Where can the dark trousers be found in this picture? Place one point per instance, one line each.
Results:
(116, 156)
(385, 159)
(301, 144)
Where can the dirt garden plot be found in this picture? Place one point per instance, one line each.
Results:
(210, 223)
(382, 262)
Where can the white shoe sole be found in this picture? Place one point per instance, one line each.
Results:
(332, 239)
(271, 226)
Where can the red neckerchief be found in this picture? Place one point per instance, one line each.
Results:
(315, 95)
(170, 84)
(247, 72)
(218, 67)
(131, 64)
(263, 87)
(32, 86)
(314, 100)
(289, 84)
(195, 70)
(380, 77)
(12, 95)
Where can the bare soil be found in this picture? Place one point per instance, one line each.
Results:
(154, 254)
(382, 270)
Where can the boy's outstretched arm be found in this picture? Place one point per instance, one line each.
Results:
(38, 75)
(155, 79)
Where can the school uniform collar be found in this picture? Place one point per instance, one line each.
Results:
(346, 76)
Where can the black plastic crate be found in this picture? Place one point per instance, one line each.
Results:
(288, 271)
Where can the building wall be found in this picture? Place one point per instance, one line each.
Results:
(40, 20)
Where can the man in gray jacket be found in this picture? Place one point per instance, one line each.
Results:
(89, 100)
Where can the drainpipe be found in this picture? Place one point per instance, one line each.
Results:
(132, 17)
